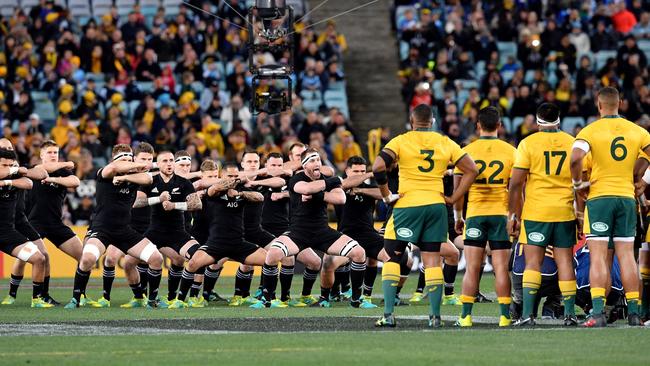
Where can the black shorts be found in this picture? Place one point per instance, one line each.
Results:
(26, 229)
(319, 239)
(56, 233)
(201, 236)
(237, 252)
(10, 238)
(370, 241)
(276, 230)
(140, 229)
(170, 239)
(123, 238)
(259, 237)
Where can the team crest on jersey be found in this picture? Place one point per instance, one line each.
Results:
(599, 226)
(404, 232)
(536, 237)
(176, 190)
(473, 233)
(154, 190)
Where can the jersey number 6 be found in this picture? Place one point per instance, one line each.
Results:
(616, 147)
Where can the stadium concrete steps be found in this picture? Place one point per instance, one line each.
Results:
(370, 64)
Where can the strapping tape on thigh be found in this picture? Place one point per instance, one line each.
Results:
(27, 251)
(280, 245)
(148, 251)
(347, 248)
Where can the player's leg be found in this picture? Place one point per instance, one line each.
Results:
(327, 277)
(147, 252)
(624, 250)
(280, 248)
(531, 281)
(243, 280)
(644, 269)
(17, 275)
(599, 274)
(345, 246)
(212, 273)
(92, 251)
(341, 285)
(500, 262)
(175, 270)
(564, 239)
(187, 251)
(286, 277)
(28, 252)
(112, 257)
(133, 277)
(390, 275)
(313, 264)
(451, 256)
(202, 257)
(370, 276)
(474, 252)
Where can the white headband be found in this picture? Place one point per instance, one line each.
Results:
(183, 158)
(121, 155)
(541, 122)
(309, 157)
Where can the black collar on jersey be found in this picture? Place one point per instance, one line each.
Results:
(553, 130)
(488, 137)
(425, 129)
(612, 116)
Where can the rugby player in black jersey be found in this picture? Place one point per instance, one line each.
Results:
(310, 192)
(226, 235)
(46, 205)
(170, 195)
(25, 228)
(134, 269)
(117, 185)
(200, 231)
(12, 242)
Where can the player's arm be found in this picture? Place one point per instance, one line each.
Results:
(192, 203)
(309, 188)
(142, 200)
(216, 186)
(374, 193)
(516, 198)
(273, 182)
(249, 195)
(327, 171)
(354, 181)
(578, 153)
(468, 168)
(141, 179)
(7, 172)
(71, 181)
(276, 196)
(37, 173)
(336, 197)
(20, 183)
(190, 175)
(385, 159)
(458, 207)
(641, 176)
(122, 167)
(52, 167)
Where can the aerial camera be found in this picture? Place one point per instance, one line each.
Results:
(275, 36)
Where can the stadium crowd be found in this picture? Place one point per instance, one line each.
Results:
(164, 73)
(461, 56)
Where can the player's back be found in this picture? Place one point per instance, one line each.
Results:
(494, 159)
(614, 144)
(423, 157)
(549, 194)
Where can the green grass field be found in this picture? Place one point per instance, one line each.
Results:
(339, 335)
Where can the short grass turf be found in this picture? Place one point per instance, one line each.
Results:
(222, 334)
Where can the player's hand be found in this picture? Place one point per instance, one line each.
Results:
(165, 196)
(459, 225)
(276, 196)
(50, 180)
(306, 197)
(639, 187)
(117, 180)
(68, 165)
(513, 227)
(168, 205)
(22, 171)
(392, 198)
(580, 222)
(448, 200)
(233, 193)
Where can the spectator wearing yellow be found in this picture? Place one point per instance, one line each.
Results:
(60, 132)
(345, 149)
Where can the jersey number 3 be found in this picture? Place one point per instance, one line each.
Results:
(428, 159)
